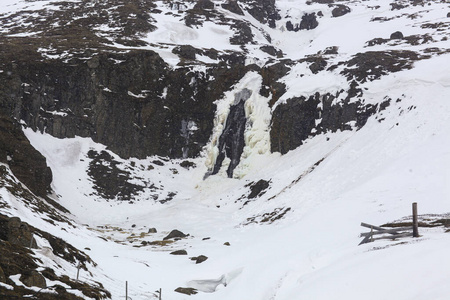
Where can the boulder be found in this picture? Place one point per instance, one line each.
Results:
(396, 35)
(272, 51)
(175, 234)
(340, 10)
(199, 259)
(186, 291)
(152, 230)
(179, 252)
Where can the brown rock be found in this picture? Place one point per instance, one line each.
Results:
(34, 278)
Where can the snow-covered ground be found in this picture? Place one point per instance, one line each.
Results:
(371, 175)
(327, 187)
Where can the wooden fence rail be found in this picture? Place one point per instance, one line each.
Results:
(393, 233)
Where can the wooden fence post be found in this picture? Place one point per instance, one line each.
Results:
(160, 292)
(126, 290)
(371, 233)
(78, 270)
(415, 220)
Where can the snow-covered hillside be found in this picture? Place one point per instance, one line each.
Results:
(345, 118)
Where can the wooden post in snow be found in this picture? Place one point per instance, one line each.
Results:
(415, 220)
(78, 270)
(126, 290)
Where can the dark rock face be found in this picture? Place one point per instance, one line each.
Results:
(131, 102)
(27, 164)
(309, 21)
(233, 6)
(204, 4)
(270, 85)
(340, 10)
(231, 142)
(292, 123)
(264, 11)
(295, 121)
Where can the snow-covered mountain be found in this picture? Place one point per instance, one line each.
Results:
(264, 132)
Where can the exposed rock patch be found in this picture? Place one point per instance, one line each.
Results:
(258, 189)
(371, 65)
(110, 182)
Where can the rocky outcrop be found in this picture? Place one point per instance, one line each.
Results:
(340, 10)
(264, 11)
(292, 123)
(17, 233)
(300, 118)
(16, 258)
(309, 21)
(33, 278)
(27, 164)
(233, 6)
(131, 102)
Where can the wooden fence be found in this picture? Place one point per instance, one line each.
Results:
(391, 233)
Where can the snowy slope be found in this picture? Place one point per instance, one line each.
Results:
(299, 239)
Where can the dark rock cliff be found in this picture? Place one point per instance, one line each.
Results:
(132, 102)
(27, 164)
